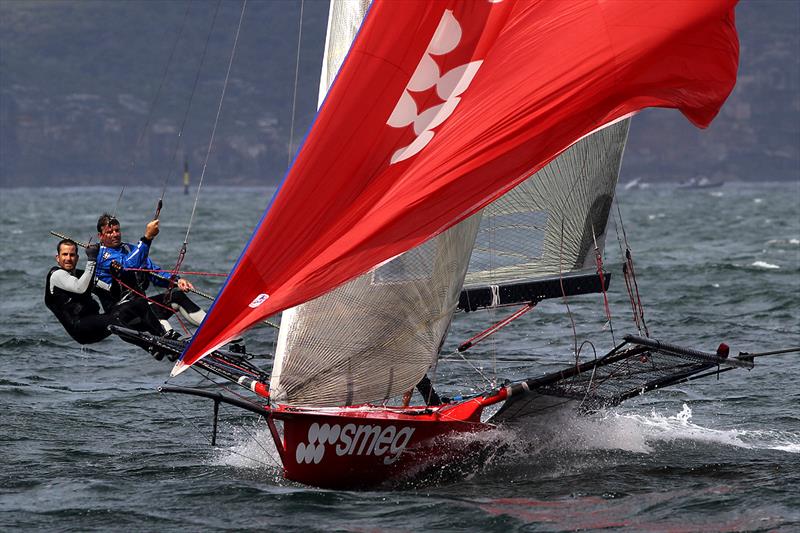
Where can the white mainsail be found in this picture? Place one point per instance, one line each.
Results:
(547, 225)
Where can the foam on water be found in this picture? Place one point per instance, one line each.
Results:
(627, 431)
(764, 264)
(657, 427)
(253, 448)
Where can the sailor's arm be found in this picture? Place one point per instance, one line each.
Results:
(137, 257)
(66, 281)
(159, 279)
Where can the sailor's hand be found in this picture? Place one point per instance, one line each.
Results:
(92, 251)
(115, 270)
(151, 230)
(185, 285)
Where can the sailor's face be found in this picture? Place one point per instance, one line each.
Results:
(67, 257)
(111, 236)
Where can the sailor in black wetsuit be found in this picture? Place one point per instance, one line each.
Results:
(68, 294)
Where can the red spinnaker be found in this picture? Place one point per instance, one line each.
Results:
(443, 106)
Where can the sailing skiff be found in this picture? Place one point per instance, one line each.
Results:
(464, 157)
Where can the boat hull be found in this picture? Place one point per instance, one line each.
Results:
(363, 447)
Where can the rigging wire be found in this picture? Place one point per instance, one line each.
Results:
(201, 432)
(243, 398)
(214, 129)
(475, 368)
(119, 199)
(296, 75)
(188, 109)
(631, 284)
(161, 84)
(564, 294)
(154, 102)
(599, 262)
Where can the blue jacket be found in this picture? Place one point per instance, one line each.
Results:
(128, 256)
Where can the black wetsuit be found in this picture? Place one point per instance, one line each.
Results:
(80, 314)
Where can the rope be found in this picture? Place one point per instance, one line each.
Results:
(629, 275)
(296, 74)
(143, 295)
(185, 272)
(629, 259)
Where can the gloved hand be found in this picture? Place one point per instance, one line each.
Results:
(91, 252)
(116, 269)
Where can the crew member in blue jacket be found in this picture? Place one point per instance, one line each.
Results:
(116, 283)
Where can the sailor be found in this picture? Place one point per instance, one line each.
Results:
(68, 294)
(425, 388)
(117, 282)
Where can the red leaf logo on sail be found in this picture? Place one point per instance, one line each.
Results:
(427, 77)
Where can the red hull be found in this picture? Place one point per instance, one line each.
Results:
(366, 446)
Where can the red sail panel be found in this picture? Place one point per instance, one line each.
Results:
(442, 107)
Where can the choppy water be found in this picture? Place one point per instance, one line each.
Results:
(88, 443)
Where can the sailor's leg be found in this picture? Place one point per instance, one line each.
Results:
(187, 308)
(90, 329)
(137, 314)
(161, 311)
(425, 388)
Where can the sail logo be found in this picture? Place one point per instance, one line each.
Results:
(387, 442)
(258, 300)
(427, 76)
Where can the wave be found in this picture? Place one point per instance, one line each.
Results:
(254, 449)
(630, 432)
(783, 242)
(764, 264)
(658, 428)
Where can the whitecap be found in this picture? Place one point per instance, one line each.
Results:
(783, 242)
(660, 428)
(764, 264)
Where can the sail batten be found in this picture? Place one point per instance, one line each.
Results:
(400, 151)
